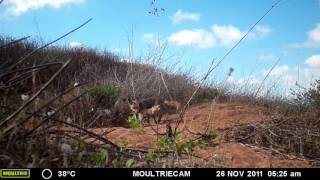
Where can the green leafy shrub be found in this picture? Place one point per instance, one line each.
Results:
(167, 143)
(76, 159)
(100, 158)
(187, 147)
(120, 160)
(206, 94)
(171, 144)
(104, 95)
(310, 98)
(129, 163)
(133, 122)
(124, 144)
(152, 155)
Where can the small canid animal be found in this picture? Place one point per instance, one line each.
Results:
(144, 109)
(174, 105)
(136, 106)
(150, 108)
(154, 112)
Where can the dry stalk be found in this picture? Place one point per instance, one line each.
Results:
(260, 86)
(14, 114)
(9, 128)
(44, 46)
(15, 41)
(211, 68)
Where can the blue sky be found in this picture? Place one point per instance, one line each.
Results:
(195, 31)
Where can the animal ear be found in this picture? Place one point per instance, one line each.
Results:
(129, 99)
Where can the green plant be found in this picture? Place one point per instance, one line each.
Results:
(187, 147)
(120, 160)
(76, 159)
(133, 122)
(123, 145)
(100, 158)
(170, 143)
(206, 94)
(129, 163)
(310, 98)
(81, 146)
(104, 95)
(167, 143)
(152, 155)
(208, 137)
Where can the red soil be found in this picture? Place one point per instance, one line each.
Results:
(224, 115)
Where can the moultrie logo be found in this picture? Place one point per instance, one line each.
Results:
(14, 173)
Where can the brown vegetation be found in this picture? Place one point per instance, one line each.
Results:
(59, 97)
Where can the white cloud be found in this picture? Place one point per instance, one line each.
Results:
(181, 15)
(259, 31)
(150, 38)
(74, 44)
(289, 79)
(281, 81)
(219, 35)
(278, 70)
(154, 40)
(197, 37)
(313, 39)
(227, 34)
(303, 76)
(288, 76)
(146, 37)
(265, 57)
(283, 78)
(17, 7)
(246, 80)
(313, 61)
(262, 30)
(314, 35)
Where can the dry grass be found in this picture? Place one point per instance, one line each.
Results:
(72, 100)
(61, 114)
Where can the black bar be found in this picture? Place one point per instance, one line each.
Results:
(174, 173)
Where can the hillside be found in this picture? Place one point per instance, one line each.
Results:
(67, 107)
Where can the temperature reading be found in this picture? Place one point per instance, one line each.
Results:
(66, 173)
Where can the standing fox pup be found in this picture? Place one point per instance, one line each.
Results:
(137, 106)
(149, 108)
(144, 109)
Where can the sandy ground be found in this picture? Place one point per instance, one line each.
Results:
(198, 118)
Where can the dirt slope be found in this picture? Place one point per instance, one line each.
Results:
(223, 116)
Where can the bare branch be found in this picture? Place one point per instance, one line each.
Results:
(275, 64)
(15, 41)
(35, 95)
(42, 107)
(46, 45)
(35, 67)
(211, 68)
